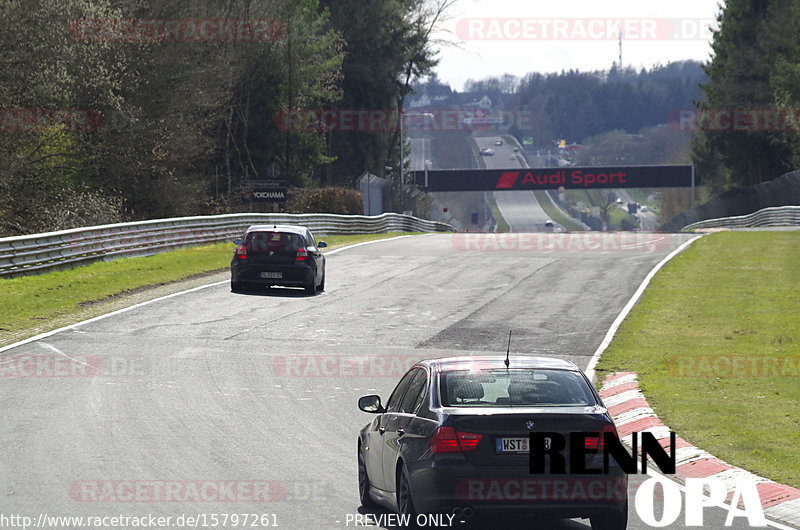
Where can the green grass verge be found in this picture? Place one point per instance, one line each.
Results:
(640, 195)
(476, 151)
(716, 343)
(616, 216)
(31, 301)
(502, 225)
(579, 195)
(556, 214)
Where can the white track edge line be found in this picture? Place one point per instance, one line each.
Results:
(610, 335)
(627, 309)
(147, 302)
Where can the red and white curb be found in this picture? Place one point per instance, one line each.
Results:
(631, 413)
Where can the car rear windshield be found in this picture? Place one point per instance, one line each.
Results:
(514, 388)
(273, 242)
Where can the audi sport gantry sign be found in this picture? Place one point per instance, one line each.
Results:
(553, 178)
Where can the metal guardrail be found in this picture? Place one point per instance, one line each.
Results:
(35, 253)
(773, 216)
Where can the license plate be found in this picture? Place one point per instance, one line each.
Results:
(516, 445)
(272, 275)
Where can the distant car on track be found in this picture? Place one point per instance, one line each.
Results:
(499, 142)
(457, 427)
(548, 223)
(487, 152)
(284, 255)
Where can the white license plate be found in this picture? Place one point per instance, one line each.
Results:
(272, 275)
(516, 445)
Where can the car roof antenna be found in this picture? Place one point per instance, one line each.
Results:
(508, 351)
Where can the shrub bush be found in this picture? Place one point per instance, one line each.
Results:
(325, 200)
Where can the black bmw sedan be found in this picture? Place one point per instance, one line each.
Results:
(284, 255)
(455, 438)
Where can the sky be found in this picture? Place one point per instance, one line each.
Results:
(494, 37)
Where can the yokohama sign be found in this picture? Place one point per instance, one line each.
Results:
(272, 195)
(553, 178)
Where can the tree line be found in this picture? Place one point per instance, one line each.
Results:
(575, 106)
(115, 111)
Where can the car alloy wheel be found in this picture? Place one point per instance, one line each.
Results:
(405, 504)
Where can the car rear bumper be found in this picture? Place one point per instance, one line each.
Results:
(449, 484)
(291, 275)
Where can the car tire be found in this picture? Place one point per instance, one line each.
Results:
(321, 286)
(310, 287)
(236, 287)
(405, 503)
(363, 483)
(611, 520)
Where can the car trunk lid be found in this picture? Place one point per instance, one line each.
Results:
(504, 435)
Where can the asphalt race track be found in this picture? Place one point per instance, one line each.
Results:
(520, 209)
(259, 391)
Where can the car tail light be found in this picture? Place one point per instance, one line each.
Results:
(449, 440)
(302, 254)
(241, 252)
(468, 440)
(595, 443)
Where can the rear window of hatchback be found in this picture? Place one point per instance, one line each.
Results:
(273, 242)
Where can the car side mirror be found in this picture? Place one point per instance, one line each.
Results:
(371, 404)
(237, 241)
(322, 244)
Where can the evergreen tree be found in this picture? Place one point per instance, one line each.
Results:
(754, 53)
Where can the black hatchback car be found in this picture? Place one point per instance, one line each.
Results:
(284, 255)
(454, 438)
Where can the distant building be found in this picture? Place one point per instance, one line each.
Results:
(484, 103)
(422, 101)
